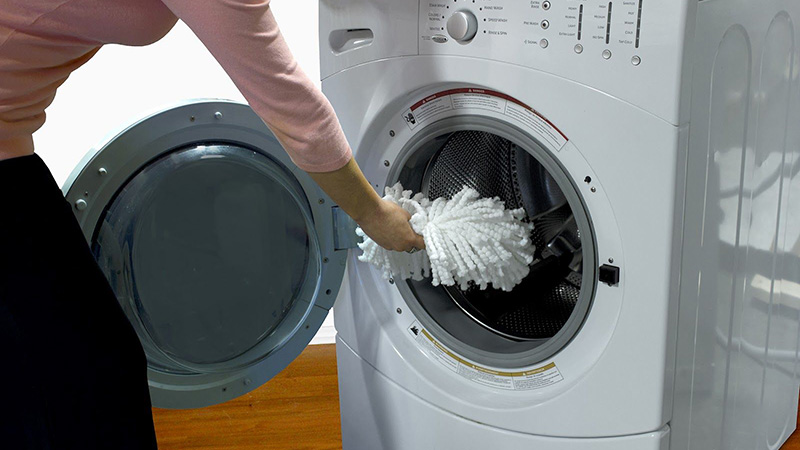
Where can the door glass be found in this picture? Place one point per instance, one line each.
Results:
(209, 250)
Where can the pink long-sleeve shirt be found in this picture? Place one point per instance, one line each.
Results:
(43, 41)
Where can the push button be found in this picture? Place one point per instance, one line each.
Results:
(609, 274)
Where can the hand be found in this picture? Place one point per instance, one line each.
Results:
(383, 221)
(387, 225)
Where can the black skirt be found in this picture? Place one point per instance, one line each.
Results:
(72, 370)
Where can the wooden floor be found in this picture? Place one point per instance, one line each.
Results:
(794, 440)
(298, 410)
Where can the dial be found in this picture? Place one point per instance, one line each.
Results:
(462, 26)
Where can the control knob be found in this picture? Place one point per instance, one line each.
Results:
(462, 26)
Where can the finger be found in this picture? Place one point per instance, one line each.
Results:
(420, 242)
(413, 241)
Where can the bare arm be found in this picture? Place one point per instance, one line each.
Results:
(383, 221)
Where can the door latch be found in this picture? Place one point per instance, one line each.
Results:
(344, 230)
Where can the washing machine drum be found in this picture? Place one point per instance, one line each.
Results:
(548, 303)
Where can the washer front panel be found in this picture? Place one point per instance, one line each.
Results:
(218, 248)
(633, 160)
(571, 354)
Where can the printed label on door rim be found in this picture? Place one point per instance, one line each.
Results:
(452, 100)
(527, 380)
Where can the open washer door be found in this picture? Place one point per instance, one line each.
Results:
(222, 253)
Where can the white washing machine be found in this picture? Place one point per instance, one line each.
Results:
(655, 147)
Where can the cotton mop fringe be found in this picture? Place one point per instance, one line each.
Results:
(467, 239)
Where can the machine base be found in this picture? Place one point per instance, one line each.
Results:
(377, 414)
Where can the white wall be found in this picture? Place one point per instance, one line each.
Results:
(121, 84)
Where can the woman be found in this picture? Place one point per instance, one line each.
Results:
(73, 368)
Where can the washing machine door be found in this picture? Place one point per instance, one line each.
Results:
(222, 253)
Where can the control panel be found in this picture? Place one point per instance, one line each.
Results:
(618, 46)
(600, 26)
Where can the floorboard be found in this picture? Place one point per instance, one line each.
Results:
(298, 410)
(794, 440)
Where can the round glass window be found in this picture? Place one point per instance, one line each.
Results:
(540, 315)
(211, 252)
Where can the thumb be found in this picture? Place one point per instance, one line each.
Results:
(420, 242)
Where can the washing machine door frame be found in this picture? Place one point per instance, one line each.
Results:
(219, 126)
(525, 141)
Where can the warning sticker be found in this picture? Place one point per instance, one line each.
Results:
(527, 380)
(452, 100)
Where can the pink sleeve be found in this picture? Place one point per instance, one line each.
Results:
(244, 37)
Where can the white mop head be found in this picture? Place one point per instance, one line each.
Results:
(467, 238)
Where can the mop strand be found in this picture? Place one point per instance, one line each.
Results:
(467, 239)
